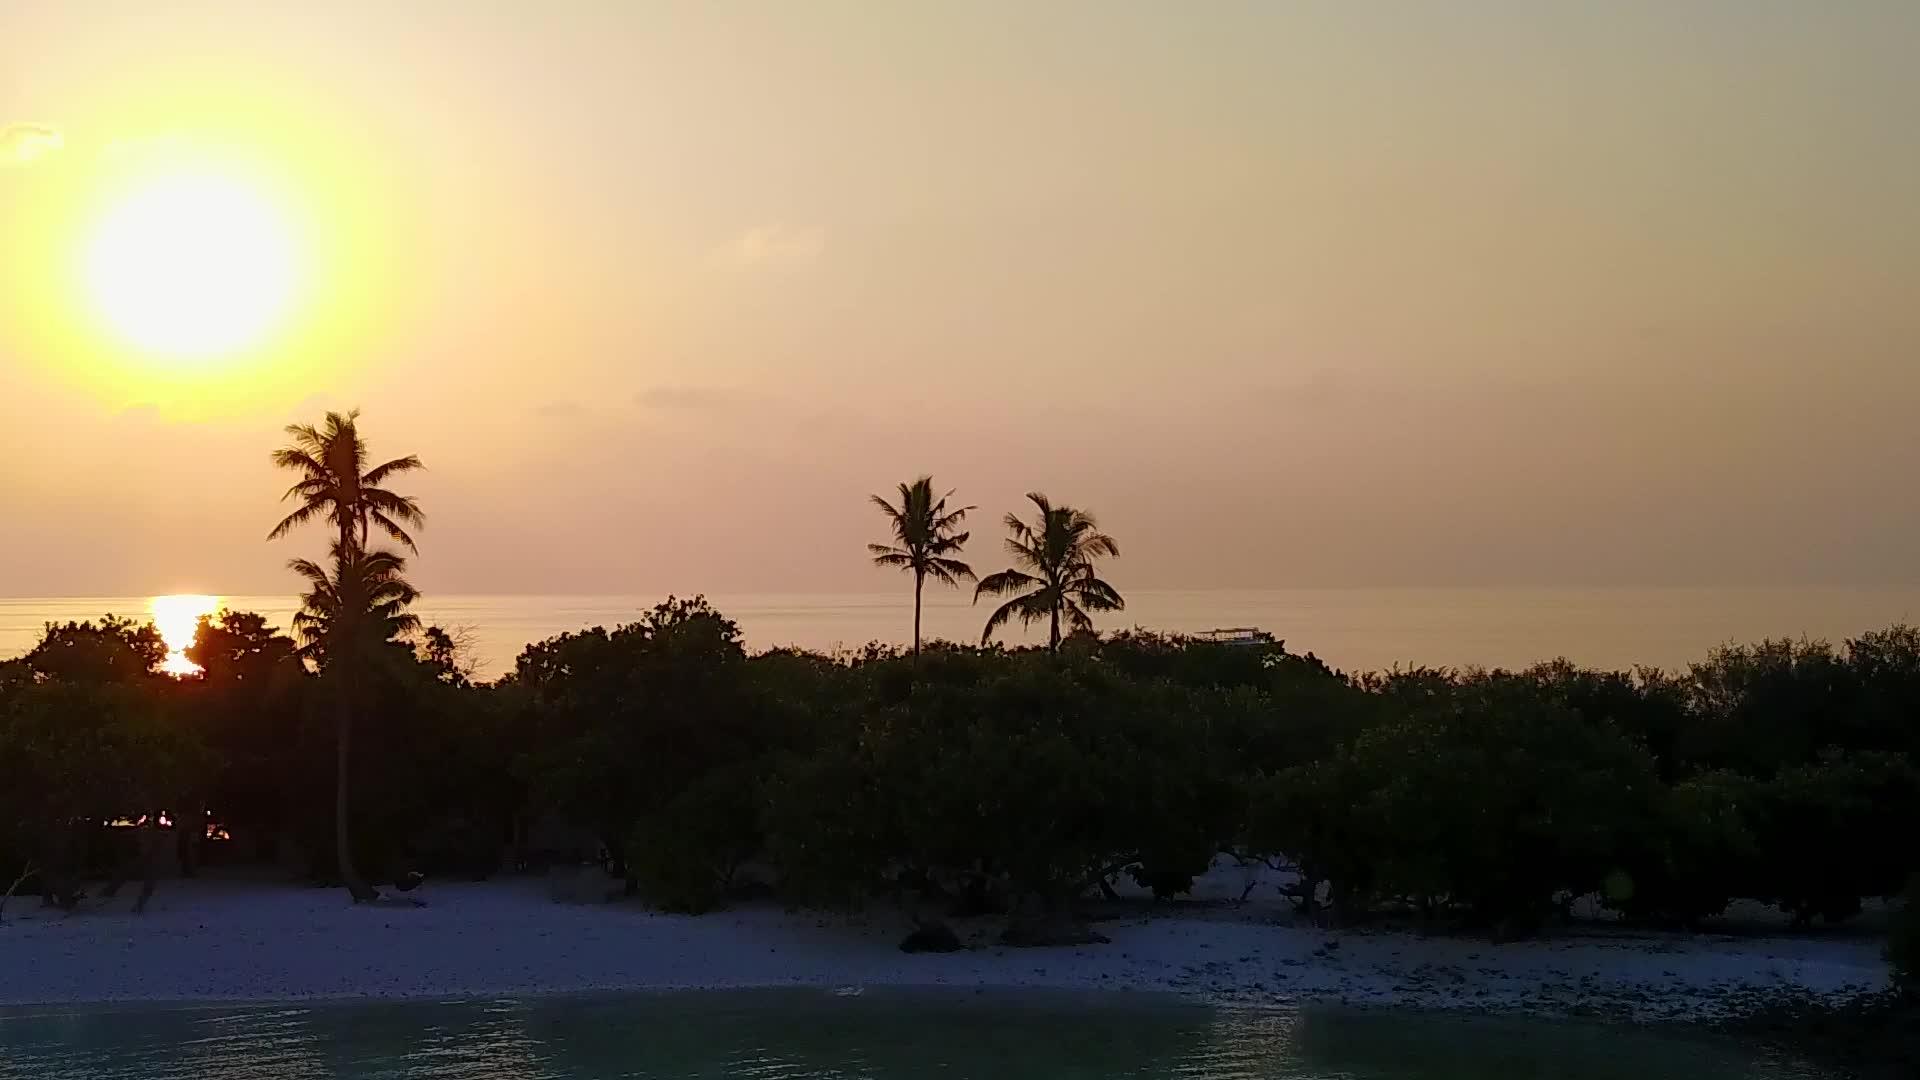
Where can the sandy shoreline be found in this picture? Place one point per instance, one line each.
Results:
(227, 941)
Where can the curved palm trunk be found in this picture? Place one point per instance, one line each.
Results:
(342, 836)
(149, 855)
(343, 755)
(919, 581)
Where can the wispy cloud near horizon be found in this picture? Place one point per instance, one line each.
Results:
(24, 144)
(772, 245)
(694, 397)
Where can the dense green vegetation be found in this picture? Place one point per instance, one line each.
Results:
(993, 778)
(952, 777)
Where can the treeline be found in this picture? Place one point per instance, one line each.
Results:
(1782, 772)
(110, 768)
(992, 780)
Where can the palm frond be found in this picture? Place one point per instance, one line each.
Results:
(1001, 615)
(308, 569)
(299, 459)
(379, 473)
(1097, 544)
(381, 563)
(392, 529)
(1097, 594)
(400, 507)
(306, 438)
(295, 520)
(946, 544)
(894, 514)
(947, 522)
(1074, 615)
(950, 572)
(1004, 582)
(1026, 553)
(311, 488)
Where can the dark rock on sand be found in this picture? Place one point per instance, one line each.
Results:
(931, 937)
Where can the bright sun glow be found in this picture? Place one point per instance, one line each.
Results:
(192, 265)
(178, 618)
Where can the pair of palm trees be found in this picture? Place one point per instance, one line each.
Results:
(356, 607)
(1057, 550)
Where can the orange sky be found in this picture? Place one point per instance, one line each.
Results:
(1288, 294)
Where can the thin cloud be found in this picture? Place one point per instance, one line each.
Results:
(772, 245)
(693, 398)
(134, 147)
(24, 144)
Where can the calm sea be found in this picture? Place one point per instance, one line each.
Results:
(1350, 628)
(811, 1035)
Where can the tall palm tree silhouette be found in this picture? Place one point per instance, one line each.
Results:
(333, 487)
(1058, 584)
(924, 541)
(361, 600)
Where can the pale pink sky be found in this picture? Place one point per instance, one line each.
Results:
(1492, 291)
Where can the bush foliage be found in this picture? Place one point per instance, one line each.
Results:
(990, 779)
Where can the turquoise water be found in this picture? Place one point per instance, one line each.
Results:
(789, 1035)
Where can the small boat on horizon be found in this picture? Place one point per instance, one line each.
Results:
(1236, 635)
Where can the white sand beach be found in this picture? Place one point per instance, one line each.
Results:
(236, 941)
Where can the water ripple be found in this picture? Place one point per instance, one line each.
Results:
(814, 1036)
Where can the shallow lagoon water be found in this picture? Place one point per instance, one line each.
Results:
(791, 1035)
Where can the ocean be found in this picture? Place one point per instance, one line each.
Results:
(877, 1034)
(1355, 629)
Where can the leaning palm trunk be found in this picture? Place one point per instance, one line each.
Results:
(342, 833)
(150, 844)
(346, 616)
(26, 873)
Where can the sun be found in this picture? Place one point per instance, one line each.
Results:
(192, 265)
(178, 620)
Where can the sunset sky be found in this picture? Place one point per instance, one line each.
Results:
(1489, 291)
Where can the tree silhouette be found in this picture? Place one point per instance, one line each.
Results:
(1059, 548)
(348, 618)
(333, 487)
(362, 602)
(924, 540)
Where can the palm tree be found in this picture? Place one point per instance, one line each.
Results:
(363, 601)
(347, 619)
(1059, 547)
(924, 538)
(336, 486)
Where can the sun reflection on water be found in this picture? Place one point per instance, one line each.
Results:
(177, 618)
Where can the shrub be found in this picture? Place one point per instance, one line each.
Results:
(684, 857)
(1699, 855)
(1823, 829)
